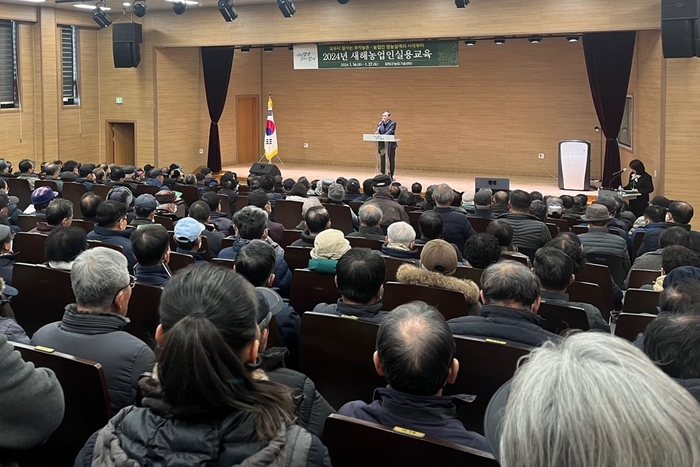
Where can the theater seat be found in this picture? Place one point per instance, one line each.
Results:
(629, 325)
(309, 288)
(30, 247)
(450, 303)
(561, 318)
(43, 295)
(641, 301)
(143, 312)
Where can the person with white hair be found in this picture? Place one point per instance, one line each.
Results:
(468, 201)
(592, 400)
(400, 242)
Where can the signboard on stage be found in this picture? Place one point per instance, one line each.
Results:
(377, 55)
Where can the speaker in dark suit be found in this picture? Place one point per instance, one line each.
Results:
(387, 127)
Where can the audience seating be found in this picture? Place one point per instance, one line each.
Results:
(49, 183)
(297, 257)
(562, 224)
(289, 237)
(553, 229)
(355, 206)
(243, 189)
(599, 274)
(414, 220)
(86, 401)
(227, 263)
(227, 242)
(637, 244)
(359, 242)
(309, 288)
(480, 224)
(353, 442)
(111, 246)
(392, 266)
(473, 274)
(27, 223)
(30, 247)
(579, 229)
(588, 292)
(288, 213)
(630, 325)
(641, 301)
(614, 263)
(204, 248)
(164, 221)
(19, 187)
(561, 318)
(190, 193)
(73, 191)
(640, 277)
(43, 295)
(336, 353)
(241, 202)
(520, 259)
(142, 189)
(450, 303)
(484, 366)
(143, 312)
(341, 217)
(225, 206)
(87, 226)
(529, 252)
(179, 261)
(101, 190)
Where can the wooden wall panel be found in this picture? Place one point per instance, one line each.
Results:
(78, 126)
(50, 75)
(24, 13)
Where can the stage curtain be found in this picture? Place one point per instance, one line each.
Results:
(216, 63)
(609, 63)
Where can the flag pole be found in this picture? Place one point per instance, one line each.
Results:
(270, 140)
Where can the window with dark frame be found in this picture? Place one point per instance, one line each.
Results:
(9, 90)
(69, 65)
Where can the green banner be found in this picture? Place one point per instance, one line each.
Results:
(389, 55)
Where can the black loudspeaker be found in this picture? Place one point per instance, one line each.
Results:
(126, 44)
(679, 28)
(496, 184)
(265, 169)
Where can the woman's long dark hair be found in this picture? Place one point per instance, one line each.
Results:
(209, 316)
(637, 166)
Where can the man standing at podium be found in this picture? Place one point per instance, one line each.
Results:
(387, 127)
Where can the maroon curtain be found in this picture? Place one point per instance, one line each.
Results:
(609, 62)
(217, 63)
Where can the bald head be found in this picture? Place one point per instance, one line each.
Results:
(510, 284)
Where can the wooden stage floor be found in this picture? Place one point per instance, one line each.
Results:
(458, 180)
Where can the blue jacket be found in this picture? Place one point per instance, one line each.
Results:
(457, 227)
(283, 276)
(13, 331)
(115, 237)
(366, 312)
(197, 255)
(436, 416)
(152, 275)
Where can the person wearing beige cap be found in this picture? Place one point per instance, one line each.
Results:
(438, 263)
(599, 240)
(329, 246)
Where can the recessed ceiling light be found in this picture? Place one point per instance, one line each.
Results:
(186, 2)
(35, 1)
(86, 6)
(126, 4)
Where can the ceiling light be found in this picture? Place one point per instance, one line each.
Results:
(572, 38)
(85, 6)
(100, 17)
(227, 10)
(35, 1)
(461, 3)
(126, 4)
(470, 42)
(139, 8)
(245, 49)
(499, 40)
(268, 48)
(342, 2)
(535, 40)
(179, 8)
(287, 7)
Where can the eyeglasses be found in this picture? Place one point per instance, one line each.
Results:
(132, 282)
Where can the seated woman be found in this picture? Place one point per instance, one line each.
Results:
(329, 246)
(503, 232)
(202, 406)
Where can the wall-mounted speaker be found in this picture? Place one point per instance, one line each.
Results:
(679, 28)
(126, 44)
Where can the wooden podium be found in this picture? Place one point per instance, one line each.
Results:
(377, 154)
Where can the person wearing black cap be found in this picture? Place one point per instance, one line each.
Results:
(145, 209)
(156, 178)
(352, 192)
(391, 210)
(86, 177)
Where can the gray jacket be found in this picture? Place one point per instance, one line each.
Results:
(529, 232)
(651, 261)
(603, 242)
(13, 331)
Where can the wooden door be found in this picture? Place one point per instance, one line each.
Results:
(248, 140)
(121, 143)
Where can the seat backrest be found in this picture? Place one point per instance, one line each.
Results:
(297, 257)
(450, 303)
(19, 187)
(27, 223)
(30, 247)
(484, 366)
(473, 274)
(227, 242)
(333, 347)
(561, 317)
(143, 312)
(553, 229)
(640, 277)
(588, 292)
(204, 248)
(341, 217)
(86, 401)
(87, 226)
(641, 301)
(629, 325)
(479, 223)
(288, 213)
(309, 288)
(359, 242)
(111, 246)
(190, 193)
(243, 189)
(49, 183)
(353, 442)
(164, 221)
(614, 263)
(43, 295)
(638, 240)
(579, 229)
(225, 205)
(289, 237)
(510, 257)
(392, 266)
(562, 224)
(241, 202)
(414, 220)
(179, 261)
(142, 189)
(73, 191)
(101, 190)
(223, 262)
(599, 274)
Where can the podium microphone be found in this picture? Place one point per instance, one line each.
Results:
(618, 173)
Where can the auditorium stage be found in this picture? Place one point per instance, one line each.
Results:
(457, 180)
